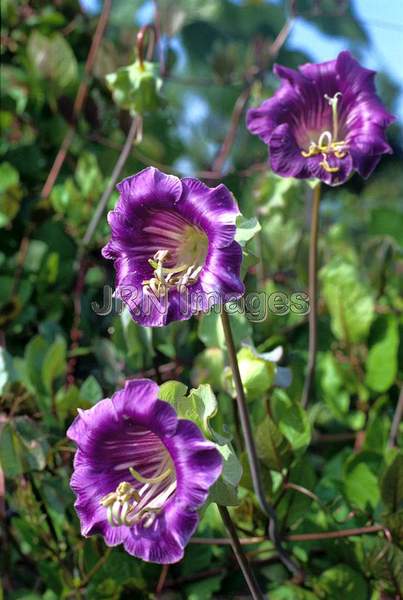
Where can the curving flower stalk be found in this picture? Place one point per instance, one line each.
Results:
(173, 246)
(140, 473)
(325, 121)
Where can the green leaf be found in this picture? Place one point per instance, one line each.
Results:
(199, 406)
(10, 193)
(289, 591)
(394, 522)
(9, 177)
(232, 469)
(88, 175)
(392, 485)
(341, 581)
(53, 58)
(23, 446)
(387, 222)
(257, 374)
(36, 252)
(10, 451)
(209, 368)
(224, 490)
(35, 353)
(138, 339)
(272, 446)
(294, 506)
(378, 427)
(333, 385)
(34, 443)
(338, 383)
(201, 590)
(67, 401)
(382, 360)
(14, 85)
(361, 485)
(385, 564)
(292, 420)
(7, 371)
(349, 301)
(54, 363)
(91, 391)
(66, 199)
(172, 392)
(246, 229)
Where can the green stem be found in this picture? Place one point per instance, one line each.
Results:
(240, 556)
(251, 449)
(313, 296)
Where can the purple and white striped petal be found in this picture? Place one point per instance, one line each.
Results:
(325, 121)
(140, 473)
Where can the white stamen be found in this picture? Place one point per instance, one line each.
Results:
(325, 135)
(109, 516)
(328, 142)
(186, 261)
(128, 505)
(124, 511)
(150, 520)
(116, 511)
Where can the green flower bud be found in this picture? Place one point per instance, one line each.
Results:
(136, 87)
(257, 374)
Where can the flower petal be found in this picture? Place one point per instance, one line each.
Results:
(150, 187)
(197, 461)
(344, 166)
(221, 275)
(285, 155)
(214, 210)
(166, 542)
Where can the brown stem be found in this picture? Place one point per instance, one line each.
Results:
(96, 567)
(332, 438)
(282, 36)
(181, 581)
(288, 485)
(162, 579)
(267, 509)
(396, 420)
(150, 29)
(243, 98)
(227, 541)
(232, 131)
(79, 100)
(75, 332)
(241, 558)
(330, 535)
(297, 537)
(21, 256)
(313, 296)
(135, 129)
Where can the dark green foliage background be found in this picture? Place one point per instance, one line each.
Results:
(338, 450)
